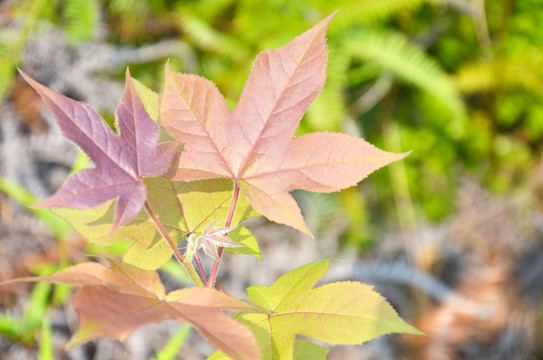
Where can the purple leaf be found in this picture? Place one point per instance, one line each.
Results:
(121, 161)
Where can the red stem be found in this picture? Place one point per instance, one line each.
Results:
(188, 267)
(200, 267)
(213, 275)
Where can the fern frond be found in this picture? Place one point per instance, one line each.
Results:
(524, 72)
(205, 36)
(81, 19)
(329, 109)
(407, 61)
(209, 9)
(476, 77)
(269, 30)
(367, 11)
(13, 42)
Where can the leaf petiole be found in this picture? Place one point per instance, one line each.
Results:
(200, 267)
(235, 196)
(188, 267)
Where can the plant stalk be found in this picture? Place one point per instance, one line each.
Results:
(188, 267)
(200, 267)
(235, 196)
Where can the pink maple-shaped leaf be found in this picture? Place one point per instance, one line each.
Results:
(121, 162)
(214, 236)
(255, 145)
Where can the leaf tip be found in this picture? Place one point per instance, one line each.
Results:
(416, 331)
(38, 206)
(118, 221)
(36, 85)
(44, 204)
(326, 21)
(128, 78)
(300, 226)
(407, 328)
(333, 14)
(393, 156)
(72, 343)
(167, 67)
(406, 154)
(22, 73)
(113, 229)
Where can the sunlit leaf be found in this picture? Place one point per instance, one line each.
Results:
(114, 301)
(244, 237)
(338, 313)
(303, 350)
(121, 161)
(182, 207)
(306, 350)
(255, 144)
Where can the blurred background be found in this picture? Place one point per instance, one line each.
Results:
(452, 235)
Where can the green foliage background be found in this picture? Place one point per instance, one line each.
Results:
(457, 84)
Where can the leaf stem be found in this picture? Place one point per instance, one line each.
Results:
(200, 267)
(188, 267)
(213, 275)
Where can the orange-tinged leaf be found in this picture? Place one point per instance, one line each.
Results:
(114, 301)
(338, 313)
(255, 145)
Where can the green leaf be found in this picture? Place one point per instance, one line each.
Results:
(170, 351)
(173, 268)
(306, 350)
(196, 203)
(295, 283)
(46, 342)
(61, 294)
(303, 350)
(149, 98)
(81, 161)
(151, 103)
(192, 206)
(37, 304)
(148, 250)
(244, 237)
(338, 313)
(14, 329)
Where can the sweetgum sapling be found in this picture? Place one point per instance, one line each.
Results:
(231, 166)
